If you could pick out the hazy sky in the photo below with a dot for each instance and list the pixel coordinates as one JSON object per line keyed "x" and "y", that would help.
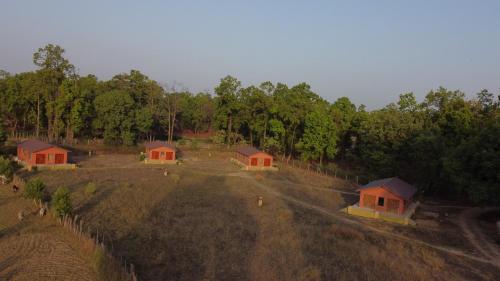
{"x": 370, "y": 51}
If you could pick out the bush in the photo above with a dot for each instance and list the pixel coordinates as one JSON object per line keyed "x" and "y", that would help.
{"x": 219, "y": 137}
{"x": 34, "y": 190}
{"x": 90, "y": 188}
{"x": 6, "y": 168}
{"x": 61, "y": 202}
{"x": 142, "y": 157}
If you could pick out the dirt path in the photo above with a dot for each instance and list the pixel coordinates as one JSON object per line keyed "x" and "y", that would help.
{"x": 468, "y": 222}
{"x": 341, "y": 217}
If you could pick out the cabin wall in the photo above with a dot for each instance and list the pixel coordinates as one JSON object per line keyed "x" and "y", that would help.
{"x": 376, "y": 193}
{"x": 256, "y": 160}
{"x": 49, "y": 155}
{"x": 159, "y": 151}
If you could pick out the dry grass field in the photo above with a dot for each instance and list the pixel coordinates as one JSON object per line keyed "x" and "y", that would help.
{"x": 38, "y": 248}
{"x": 202, "y": 222}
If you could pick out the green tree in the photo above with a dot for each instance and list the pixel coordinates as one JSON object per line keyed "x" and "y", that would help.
{"x": 34, "y": 190}
{"x": 255, "y": 112}
{"x": 228, "y": 105}
{"x": 61, "y": 202}
{"x": 319, "y": 138}
{"x": 115, "y": 117}
{"x": 74, "y": 105}
{"x": 53, "y": 69}
{"x": 6, "y": 168}
{"x": 3, "y": 134}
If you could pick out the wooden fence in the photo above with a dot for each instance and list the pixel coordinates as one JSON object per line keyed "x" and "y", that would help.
{"x": 22, "y": 136}
{"x": 120, "y": 267}
{"x": 316, "y": 169}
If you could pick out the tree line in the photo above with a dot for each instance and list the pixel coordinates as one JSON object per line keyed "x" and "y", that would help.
{"x": 446, "y": 144}
{"x": 56, "y": 102}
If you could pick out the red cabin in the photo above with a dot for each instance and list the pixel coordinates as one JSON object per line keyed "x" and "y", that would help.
{"x": 387, "y": 195}
{"x": 36, "y": 153}
{"x": 160, "y": 152}
{"x": 252, "y": 158}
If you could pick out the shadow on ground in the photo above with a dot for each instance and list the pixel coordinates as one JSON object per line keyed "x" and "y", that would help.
{"x": 194, "y": 233}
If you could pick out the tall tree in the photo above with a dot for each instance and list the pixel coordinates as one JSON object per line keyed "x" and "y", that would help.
{"x": 115, "y": 117}
{"x": 319, "y": 138}
{"x": 172, "y": 107}
{"x": 53, "y": 69}
{"x": 228, "y": 104}
{"x": 74, "y": 105}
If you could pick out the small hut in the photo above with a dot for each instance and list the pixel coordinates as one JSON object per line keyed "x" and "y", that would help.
{"x": 253, "y": 159}
{"x": 39, "y": 153}
{"x": 160, "y": 152}
{"x": 391, "y": 195}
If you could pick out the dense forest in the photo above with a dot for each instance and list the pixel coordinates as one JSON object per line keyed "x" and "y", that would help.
{"x": 447, "y": 145}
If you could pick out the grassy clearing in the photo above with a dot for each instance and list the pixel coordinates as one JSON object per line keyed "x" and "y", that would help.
{"x": 204, "y": 223}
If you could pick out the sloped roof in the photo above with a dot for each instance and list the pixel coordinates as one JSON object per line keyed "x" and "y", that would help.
{"x": 393, "y": 185}
{"x": 157, "y": 144}
{"x": 36, "y": 145}
{"x": 249, "y": 151}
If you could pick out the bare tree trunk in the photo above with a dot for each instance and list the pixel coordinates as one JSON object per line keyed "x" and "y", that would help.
{"x": 172, "y": 127}
{"x": 263, "y": 141}
{"x": 229, "y": 130}
{"x": 38, "y": 116}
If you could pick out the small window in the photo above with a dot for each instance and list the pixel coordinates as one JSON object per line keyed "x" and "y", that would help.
{"x": 381, "y": 201}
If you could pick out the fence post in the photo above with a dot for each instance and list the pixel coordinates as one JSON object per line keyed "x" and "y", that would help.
{"x": 357, "y": 182}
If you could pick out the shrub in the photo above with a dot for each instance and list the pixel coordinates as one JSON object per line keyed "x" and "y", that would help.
{"x": 6, "y": 168}
{"x": 219, "y": 137}
{"x": 142, "y": 157}
{"x": 90, "y": 188}
{"x": 34, "y": 190}
{"x": 61, "y": 202}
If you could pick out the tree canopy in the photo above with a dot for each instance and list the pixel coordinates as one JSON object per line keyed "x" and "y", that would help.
{"x": 446, "y": 144}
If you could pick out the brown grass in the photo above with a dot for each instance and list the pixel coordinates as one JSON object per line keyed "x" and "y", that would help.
{"x": 206, "y": 225}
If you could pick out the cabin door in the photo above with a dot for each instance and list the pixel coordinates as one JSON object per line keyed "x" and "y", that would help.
{"x": 169, "y": 155}
{"x": 155, "y": 155}
{"x": 253, "y": 161}
{"x": 59, "y": 158}
{"x": 393, "y": 205}
{"x": 40, "y": 159}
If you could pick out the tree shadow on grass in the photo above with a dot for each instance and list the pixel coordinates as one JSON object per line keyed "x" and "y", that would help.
{"x": 93, "y": 201}
{"x": 197, "y": 232}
